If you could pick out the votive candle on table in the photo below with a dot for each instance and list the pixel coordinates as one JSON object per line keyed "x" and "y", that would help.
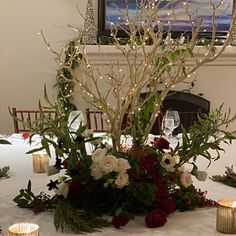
{"x": 40, "y": 162}
{"x": 23, "y": 229}
{"x": 226, "y": 216}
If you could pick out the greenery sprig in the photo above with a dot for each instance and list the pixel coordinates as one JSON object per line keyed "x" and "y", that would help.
{"x": 4, "y": 172}
{"x": 66, "y": 217}
{"x": 39, "y": 203}
{"x": 65, "y": 81}
{"x": 3, "y": 141}
{"x": 206, "y": 136}
{"x": 229, "y": 178}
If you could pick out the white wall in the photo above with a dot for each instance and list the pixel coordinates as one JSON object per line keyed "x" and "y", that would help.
{"x": 26, "y": 64}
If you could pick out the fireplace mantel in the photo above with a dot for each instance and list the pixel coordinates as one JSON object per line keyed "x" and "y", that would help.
{"x": 99, "y": 55}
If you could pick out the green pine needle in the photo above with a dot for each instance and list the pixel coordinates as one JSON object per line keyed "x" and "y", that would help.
{"x": 228, "y": 179}
{"x": 4, "y": 172}
{"x": 66, "y": 217}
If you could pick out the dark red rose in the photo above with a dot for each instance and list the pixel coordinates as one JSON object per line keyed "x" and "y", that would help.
{"x": 167, "y": 205}
{"x": 74, "y": 189}
{"x": 155, "y": 218}
{"x": 120, "y": 221}
{"x": 160, "y": 143}
{"x": 148, "y": 163}
{"x": 171, "y": 178}
{"x": 25, "y": 135}
{"x": 162, "y": 191}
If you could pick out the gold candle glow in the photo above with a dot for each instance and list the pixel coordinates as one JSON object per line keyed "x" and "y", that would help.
{"x": 23, "y": 229}
{"x": 226, "y": 216}
{"x": 40, "y": 162}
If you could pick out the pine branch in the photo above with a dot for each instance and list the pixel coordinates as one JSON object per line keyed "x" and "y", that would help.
{"x": 66, "y": 217}
{"x": 228, "y": 179}
{"x": 4, "y": 172}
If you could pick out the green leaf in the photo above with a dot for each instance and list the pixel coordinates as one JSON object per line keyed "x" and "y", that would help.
{"x": 2, "y": 141}
{"x": 35, "y": 150}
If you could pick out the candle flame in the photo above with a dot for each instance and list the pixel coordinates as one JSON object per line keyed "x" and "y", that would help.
{"x": 234, "y": 204}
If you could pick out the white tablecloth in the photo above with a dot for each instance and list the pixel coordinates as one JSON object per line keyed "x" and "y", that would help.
{"x": 198, "y": 222}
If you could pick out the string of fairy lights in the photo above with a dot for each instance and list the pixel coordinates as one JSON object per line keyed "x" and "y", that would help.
{"x": 65, "y": 83}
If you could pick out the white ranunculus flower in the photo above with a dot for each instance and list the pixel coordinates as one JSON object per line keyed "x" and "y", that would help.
{"x": 87, "y": 133}
{"x": 122, "y": 180}
{"x": 63, "y": 189}
{"x": 181, "y": 169}
{"x": 122, "y": 165}
{"x": 108, "y": 163}
{"x": 168, "y": 162}
{"x": 201, "y": 175}
{"x": 98, "y": 154}
{"x": 52, "y": 170}
{"x": 186, "y": 179}
{"x": 96, "y": 172}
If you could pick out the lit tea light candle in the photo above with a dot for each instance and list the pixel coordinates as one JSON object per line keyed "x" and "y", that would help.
{"x": 23, "y": 229}
{"x": 40, "y": 162}
{"x": 226, "y": 216}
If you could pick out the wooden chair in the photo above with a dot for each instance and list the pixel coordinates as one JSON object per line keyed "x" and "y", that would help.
{"x": 20, "y": 117}
{"x": 95, "y": 121}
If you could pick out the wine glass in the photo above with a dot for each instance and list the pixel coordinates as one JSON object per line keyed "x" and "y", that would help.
{"x": 167, "y": 127}
{"x": 171, "y": 121}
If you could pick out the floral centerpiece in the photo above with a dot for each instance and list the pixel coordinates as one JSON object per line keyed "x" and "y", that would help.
{"x": 151, "y": 179}
{"x": 148, "y": 178}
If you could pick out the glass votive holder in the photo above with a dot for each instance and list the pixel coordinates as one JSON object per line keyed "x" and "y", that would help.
{"x": 226, "y": 216}
{"x": 40, "y": 162}
{"x": 23, "y": 229}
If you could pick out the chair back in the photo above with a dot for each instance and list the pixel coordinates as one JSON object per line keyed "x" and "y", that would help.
{"x": 23, "y": 117}
{"x": 95, "y": 120}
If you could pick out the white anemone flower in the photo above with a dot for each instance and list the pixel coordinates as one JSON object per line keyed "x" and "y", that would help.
{"x": 168, "y": 162}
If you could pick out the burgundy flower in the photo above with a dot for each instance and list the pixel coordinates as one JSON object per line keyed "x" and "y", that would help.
{"x": 74, "y": 189}
{"x": 25, "y": 135}
{"x": 162, "y": 191}
{"x": 160, "y": 143}
{"x": 148, "y": 163}
{"x": 167, "y": 205}
{"x": 155, "y": 218}
{"x": 171, "y": 178}
{"x": 119, "y": 221}
{"x": 65, "y": 163}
